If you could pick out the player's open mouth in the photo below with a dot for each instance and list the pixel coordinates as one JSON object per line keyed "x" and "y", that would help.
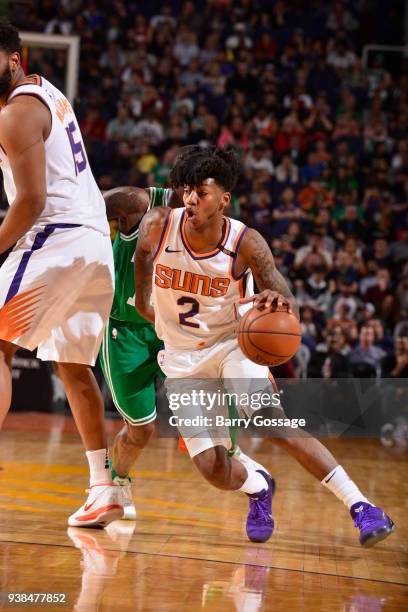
{"x": 190, "y": 213}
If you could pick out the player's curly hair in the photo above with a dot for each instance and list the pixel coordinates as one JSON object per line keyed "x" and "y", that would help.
{"x": 195, "y": 164}
{"x": 9, "y": 38}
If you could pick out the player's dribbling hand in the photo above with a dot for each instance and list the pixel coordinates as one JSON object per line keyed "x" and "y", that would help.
{"x": 266, "y": 299}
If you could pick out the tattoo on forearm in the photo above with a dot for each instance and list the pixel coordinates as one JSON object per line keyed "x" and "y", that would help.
{"x": 262, "y": 264}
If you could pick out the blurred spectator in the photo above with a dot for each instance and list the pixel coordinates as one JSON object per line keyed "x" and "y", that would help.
{"x": 343, "y": 317}
{"x": 381, "y": 294}
{"x": 313, "y": 169}
{"x": 380, "y": 338}
{"x": 330, "y": 360}
{"x": 122, "y": 126}
{"x": 316, "y": 245}
{"x": 92, "y": 125}
{"x": 150, "y": 128}
{"x": 336, "y": 363}
{"x": 396, "y": 365}
{"x": 314, "y": 290}
{"x": 339, "y": 18}
{"x": 287, "y": 172}
{"x": 165, "y": 17}
{"x": 258, "y": 159}
{"x": 186, "y": 47}
{"x": 366, "y": 352}
{"x": 287, "y": 211}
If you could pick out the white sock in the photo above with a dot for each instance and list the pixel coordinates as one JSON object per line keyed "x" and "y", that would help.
{"x": 255, "y": 482}
{"x": 340, "y": 483}
{"x": 99, "y": 467}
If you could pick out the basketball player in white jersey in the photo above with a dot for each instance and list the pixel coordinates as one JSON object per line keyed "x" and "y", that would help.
{"x": 198, "y": 265}
{"x": 56, "y": 286}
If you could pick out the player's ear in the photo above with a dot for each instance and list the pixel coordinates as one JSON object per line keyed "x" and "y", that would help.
{"x": 225, "y": 199}
{"x": 14, "y": 60}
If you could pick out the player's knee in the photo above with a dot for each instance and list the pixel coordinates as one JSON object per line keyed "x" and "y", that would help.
{"x": 139, "y": 435}
{"x": 7, "y": 352}
{"x": 215, "y": 465}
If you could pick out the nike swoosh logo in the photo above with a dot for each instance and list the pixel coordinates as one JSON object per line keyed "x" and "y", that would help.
{"x": 86, "y": 508}
{"x": 172, "y": 250}
{"x": 329, "y": 479}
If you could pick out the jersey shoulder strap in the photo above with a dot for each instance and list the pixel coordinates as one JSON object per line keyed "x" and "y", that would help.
{"x": 31, "y": 86}
{"x": 236, "y": 233}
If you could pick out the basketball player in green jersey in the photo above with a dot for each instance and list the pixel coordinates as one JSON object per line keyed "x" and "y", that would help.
{"x": 130, "y": 346}
{"x": 129, "y": 349}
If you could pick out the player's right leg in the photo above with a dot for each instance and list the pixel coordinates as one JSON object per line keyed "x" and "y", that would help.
{"x": 129, "y": 365}
{"x": 7, "y": 351}
{"x": 373, "y": 523}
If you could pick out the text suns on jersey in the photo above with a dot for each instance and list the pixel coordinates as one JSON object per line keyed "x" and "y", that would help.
{"x": 190, "y": 282}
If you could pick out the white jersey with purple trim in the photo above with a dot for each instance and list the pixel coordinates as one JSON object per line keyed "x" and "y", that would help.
{"x": 195, "y": 295}
{"x": 72, "y": 193}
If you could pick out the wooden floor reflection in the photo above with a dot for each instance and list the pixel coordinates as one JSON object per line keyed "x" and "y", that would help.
{"x": 188, "y": 549}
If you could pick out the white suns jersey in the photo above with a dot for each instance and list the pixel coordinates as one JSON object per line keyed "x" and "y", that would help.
{"x": 195, "y": 295}
{"x": 72, "y": 193}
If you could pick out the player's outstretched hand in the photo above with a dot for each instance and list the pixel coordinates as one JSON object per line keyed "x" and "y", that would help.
{"x": 267, "y": 298}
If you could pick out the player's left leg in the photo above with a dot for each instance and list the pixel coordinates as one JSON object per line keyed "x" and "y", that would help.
{"x": 128, "y": 445}
{"x": 208, "y": 441}
{"x": 128, "y": 359}
{"x": 210, "y": 456}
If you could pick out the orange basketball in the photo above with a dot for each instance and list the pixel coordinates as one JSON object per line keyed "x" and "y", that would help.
{"x": 269, "y": 336}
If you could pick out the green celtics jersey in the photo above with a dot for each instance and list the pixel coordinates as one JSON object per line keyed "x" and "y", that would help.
{"x": 124, "y": 248}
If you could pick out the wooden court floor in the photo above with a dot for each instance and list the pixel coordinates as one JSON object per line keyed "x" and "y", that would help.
{"x": 188, "y": 550}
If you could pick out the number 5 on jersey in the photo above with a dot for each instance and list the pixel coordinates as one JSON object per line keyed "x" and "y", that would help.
{"x": 77, "y": 149}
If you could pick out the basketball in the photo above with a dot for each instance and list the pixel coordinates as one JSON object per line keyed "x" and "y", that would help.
{"x": 269, "y": 336}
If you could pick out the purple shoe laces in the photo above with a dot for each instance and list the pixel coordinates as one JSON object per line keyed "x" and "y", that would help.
{"x": 368, "y": 515}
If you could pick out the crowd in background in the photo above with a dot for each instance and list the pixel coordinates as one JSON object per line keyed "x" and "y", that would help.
{"x": 323, "y": 141}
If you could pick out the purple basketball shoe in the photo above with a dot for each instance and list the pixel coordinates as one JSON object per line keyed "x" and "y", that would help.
{"x": 259, "y": 524}
{"x": 373, "y": 523}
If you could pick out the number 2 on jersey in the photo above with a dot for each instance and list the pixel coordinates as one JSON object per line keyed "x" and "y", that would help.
{"x": 190, "y": 313}
{"x": 77, "y": 149}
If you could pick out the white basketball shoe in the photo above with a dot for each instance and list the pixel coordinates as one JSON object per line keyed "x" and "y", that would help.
{"x": 104, "y": 505}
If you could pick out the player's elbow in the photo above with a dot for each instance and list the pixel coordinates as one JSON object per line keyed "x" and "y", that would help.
{"x": 38, "y": 204}
{"x": 32, "y": 203}
{"x": 29, "y": 207}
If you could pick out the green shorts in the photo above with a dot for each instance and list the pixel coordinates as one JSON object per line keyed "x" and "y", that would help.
{"x": 128, "y": 358}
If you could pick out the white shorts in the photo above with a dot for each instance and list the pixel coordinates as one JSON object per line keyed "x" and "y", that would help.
{"x": 203, "y": 369}
{"x": 56, "y": 292}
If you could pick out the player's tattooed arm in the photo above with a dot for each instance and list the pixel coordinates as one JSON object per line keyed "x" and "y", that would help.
{"x": 255, "y": 254}
{"x": 150, "y": 231}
